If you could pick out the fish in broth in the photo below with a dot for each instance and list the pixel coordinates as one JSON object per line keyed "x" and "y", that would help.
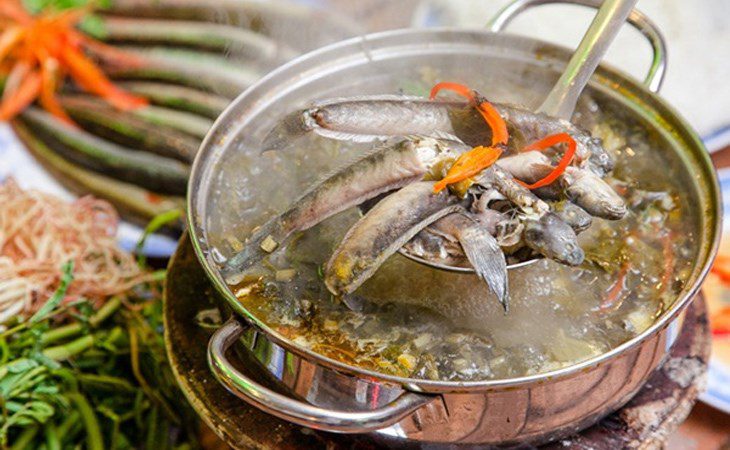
{"x": 416, "y": 158}
{"x": 413, "y": 321}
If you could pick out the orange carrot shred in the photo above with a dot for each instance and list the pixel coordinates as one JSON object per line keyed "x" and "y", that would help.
{"x": 9, "y": 39}
{"x": 468, "y": 165}
{"x": 48, "y": 98}
{"x": 47, "y": 47}
{"x": 91, "y": 78}
{"x": 22, "y": 97}
{"x": 14, "y": 10}
{"x": 565, "y": 161}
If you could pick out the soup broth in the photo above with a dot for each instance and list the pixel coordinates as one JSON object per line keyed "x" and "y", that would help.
{"x": 414, "y": 321}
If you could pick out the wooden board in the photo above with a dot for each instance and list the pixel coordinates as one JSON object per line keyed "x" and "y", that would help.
{"x": 645, "y": 422}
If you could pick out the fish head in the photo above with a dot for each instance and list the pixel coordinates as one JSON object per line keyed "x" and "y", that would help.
{"x": 599, "y": 155}
{"x": 436, "y": 155}
{"x": 592, "y": 150}
{"x": 339, "y": 276}
{"x": 553, "y": 238}
{"x": 596, "y": 196}
{"x": 575, "y": 216}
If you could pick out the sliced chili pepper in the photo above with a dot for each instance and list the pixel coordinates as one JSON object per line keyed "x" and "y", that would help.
{"x": 28, "y": 91}
{"x": 500, "y": 135}
{"x": 564, "y": 162}
{"x": 479, "y": 158}
{"x": 468, "y": 165}
{"x": 460, "y": 89}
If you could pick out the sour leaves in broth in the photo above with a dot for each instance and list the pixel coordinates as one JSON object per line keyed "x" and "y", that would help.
{"x": 413, "y": 321}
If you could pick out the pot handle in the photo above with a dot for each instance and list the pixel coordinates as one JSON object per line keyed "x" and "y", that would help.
{"x": 637, "y": 19}
{"x": 293, "y": 410}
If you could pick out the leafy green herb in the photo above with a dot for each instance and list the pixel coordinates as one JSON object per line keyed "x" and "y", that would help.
{"x": 98, "y": 379}
{"x": 67, "y": 277}
{"x": 94, "y": 26}
{"x": 157, "y": 222}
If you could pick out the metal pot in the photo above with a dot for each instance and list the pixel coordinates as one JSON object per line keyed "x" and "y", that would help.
{"x": 325, "y": 394}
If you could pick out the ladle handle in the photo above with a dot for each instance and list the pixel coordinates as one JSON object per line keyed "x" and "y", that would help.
{"x": 296, "y": 411}
{"x": 653, "y": 80}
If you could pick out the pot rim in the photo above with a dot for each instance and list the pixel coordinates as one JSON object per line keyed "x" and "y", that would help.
{"x": 216, "y": 140}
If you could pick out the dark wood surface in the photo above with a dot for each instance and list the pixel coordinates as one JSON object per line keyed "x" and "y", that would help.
{"x": 721, "y": 158}
{"x": 645, "y": 422}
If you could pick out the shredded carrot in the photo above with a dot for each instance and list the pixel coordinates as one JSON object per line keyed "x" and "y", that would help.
{"x": 91, "y": 78}
{"x": 565, "y": 161}
{"x": 51, "y": 48}
{"x": 12, "y": 9}
{"x": 28, "y": 90}
{"x": 9, "y": 39}
{"x": 105, "y": 52}
{"x": 48, "y": 99}
{"x": 468, "y": 165}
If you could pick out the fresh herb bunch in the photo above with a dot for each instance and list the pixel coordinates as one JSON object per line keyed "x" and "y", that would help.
{"x": 73, "y": 376}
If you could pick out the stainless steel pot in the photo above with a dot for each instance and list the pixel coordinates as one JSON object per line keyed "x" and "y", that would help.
{"x": 325, "y": 394}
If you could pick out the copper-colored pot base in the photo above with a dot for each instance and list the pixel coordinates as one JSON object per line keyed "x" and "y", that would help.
{"x": 648, "y": 418}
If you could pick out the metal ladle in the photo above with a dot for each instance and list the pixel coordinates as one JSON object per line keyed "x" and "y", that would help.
{"x": 563, "y": 97}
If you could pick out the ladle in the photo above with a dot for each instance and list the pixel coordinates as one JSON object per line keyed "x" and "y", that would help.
{"x": 563, "y": 97}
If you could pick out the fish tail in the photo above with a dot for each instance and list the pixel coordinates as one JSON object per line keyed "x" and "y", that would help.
{"x": 291, "y": 127}
{"x": 264, "y": 241}
{"x": 487, "y": 259}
